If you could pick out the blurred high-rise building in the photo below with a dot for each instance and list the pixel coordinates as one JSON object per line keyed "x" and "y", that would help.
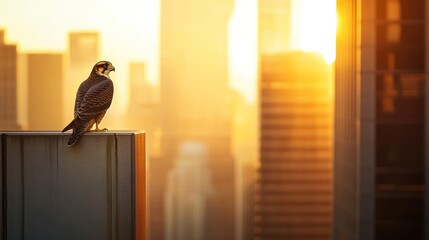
{"x": 43, "y": 73}
{"x": 83, "y": 53}
{"x": 245, "y": 151}
{"x": 293, "y": 188}
{"x": 189, "y": 187}
{"x": 140, "y": 89}
{"x": 293, "y": 193}
{"x": 143, "y": 107}
{"x": 195, "y": 106}
{"x": 83, "y": 49}
{"x": 381, "y": 158}
{"x": 275, "y": 25}
{"x": 8, "y": 85}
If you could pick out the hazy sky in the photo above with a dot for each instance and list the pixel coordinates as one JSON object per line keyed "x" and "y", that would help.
{"x": 129, "y": 31}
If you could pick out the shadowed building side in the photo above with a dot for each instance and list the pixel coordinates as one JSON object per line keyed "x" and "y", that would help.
{"x": 381, "y": 137}
{"x": 8, "y": 85}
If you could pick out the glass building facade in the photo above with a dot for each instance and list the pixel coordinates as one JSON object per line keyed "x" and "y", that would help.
{"x": 400, "y": 118}
{"x": 380, "y": 159}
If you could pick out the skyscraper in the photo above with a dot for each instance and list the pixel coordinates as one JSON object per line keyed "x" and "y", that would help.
{"x": 141, "y": 91}
{"x": 188, "y": 188}
{"x": 8, "y": 85}
{"x": 83, "y": 53}
{"x": 83, "y": 49}
{"x": 44, "y": 76}
{"x": 245, "y": 149}
{"x": 293, "y": 196}
{"x": 143, "y": 107}
{"x": 195, "y": 106}
{"x": 275, "y": 25}
{"x": 381, "y": 133}
{"x": 293, "y": 190}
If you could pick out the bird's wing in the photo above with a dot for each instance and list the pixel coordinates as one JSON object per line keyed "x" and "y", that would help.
{"x": 82, "y": 90}
{"x": 96, "y": 100}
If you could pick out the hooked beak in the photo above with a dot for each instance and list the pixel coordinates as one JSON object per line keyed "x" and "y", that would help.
{"x": 112, "y": 68}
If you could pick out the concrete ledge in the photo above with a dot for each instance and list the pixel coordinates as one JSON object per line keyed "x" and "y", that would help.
{"x": 92, "y": 190}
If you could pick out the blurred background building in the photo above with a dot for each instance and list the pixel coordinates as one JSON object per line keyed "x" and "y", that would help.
{"x": 245, "y": 151}
{"x": 8, "y": 85}
{"x": 43, "y": 74}
{"x": 381, "y": 137}
{"x": 195, "y": 106}
{"x": 187, "y": 74}
{"x": 83, "y": 53}
{"x": 275, "y": 25}
{"x": 293, "y": 188}
{"x": 143, "y": 109}
{"x": 293, "y": 197}
{"x": 188, "y": 189}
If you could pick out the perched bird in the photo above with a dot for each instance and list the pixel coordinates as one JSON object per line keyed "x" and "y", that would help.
{"x": 93, "y": 98}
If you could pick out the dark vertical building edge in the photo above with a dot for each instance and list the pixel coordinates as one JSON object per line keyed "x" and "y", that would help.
{"x": 133, "y": 190}
{"x": 4, "y": 187}
{"x": 426, "y": 143}
{"x": 116, "y": 186}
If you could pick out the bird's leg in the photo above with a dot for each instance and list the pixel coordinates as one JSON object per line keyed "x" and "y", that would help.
{"x": 100, "y": 130}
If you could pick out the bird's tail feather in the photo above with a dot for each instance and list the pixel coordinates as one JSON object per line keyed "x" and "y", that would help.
{"x": 77, "y": 132}
{"x": 71, "y": 125}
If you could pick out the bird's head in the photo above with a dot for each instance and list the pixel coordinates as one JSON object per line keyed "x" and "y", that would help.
{"x": 104, "y": 68}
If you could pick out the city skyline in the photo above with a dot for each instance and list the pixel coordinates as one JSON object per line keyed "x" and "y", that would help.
{"x": 265, "y": 119}
{"x": 143, "y": 44}
{"x": 215, "y": 157}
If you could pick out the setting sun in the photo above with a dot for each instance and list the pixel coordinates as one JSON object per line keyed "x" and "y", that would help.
{"x": 314, "y": 27}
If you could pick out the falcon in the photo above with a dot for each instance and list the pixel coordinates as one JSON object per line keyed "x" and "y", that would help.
{"x": 93, "y": 98}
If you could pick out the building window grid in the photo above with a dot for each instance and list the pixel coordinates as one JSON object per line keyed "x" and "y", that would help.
{"x": 394, "y": 184}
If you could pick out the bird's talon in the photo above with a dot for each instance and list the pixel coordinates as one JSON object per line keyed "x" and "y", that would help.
{"x": 105, "y": 130}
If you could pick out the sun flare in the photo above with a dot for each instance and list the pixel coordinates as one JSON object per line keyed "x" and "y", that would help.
{"x": 314, "y": 25}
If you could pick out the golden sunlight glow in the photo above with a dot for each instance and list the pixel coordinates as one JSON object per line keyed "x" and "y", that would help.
{"x": 128, "y": 30}
{"x": 314, "y": 26}
{"x": 242, "y": 48}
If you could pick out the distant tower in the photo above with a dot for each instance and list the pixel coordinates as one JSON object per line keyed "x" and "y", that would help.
{"x": 83, "y": 53}
{"x": 294, "y": 185}
{"x": 2, "y": 37}
{"x": 8, "y": 85}
{"x": 245, "y": 141}
{"x": 195, "y": 106}
{"x": 44, "y": 76}
{"x": 275, "y": 25}
{"x": 381, "y": 188}
{"x": 143, "y": 107}
{"x": 83, "y": 50}
{"x": 140, "y": 90}
{"x": 293, "y": 191}
{"x": 188, "y": 188}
